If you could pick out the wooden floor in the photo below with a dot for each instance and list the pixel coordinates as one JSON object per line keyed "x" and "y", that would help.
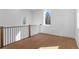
{"x": 44, "y": 41}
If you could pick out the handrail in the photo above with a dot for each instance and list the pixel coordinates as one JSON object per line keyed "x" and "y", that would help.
{"x": 18, "y": 26}
{"x": 15, "y": 26}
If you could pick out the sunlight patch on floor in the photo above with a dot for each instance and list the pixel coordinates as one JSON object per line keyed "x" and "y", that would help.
{"x": 18, "y": 36}
{"x": 51, "y": 47}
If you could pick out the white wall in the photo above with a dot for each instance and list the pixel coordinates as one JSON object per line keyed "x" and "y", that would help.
{"x": 14, "y": 17}
{"x": 77, "y": 29}
{"x": 37, "y": 16}
{"x": 37, "y": 19}
{"x": 63, "y": 22}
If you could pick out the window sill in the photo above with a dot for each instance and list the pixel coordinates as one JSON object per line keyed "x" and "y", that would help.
{"x": 47, "y": 25}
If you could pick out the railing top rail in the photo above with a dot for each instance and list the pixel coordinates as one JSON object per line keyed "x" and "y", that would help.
{"x": 17, "y": 26}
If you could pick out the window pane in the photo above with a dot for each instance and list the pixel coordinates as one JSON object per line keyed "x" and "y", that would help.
{"x": 47, "y": 16}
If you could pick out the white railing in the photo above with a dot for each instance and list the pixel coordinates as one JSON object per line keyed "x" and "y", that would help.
{"x": 15, "y": 33}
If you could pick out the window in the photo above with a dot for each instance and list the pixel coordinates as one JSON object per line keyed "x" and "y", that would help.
{"x": 47, "y": 17}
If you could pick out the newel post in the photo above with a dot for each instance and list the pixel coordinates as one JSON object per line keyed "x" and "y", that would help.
{"x": 29, "y": 30}
{"x": 1, "y": 36}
